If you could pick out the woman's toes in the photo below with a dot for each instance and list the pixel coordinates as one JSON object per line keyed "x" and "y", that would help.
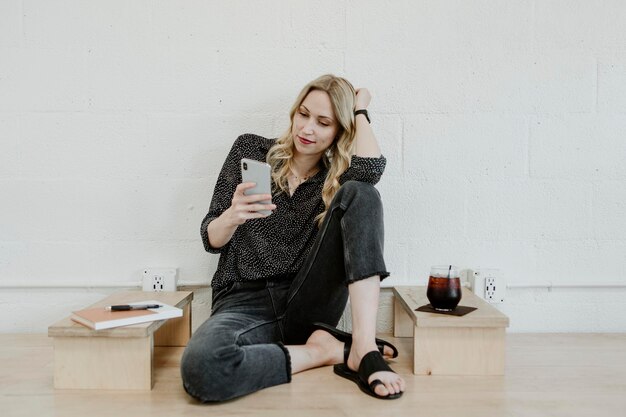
{"x": 391, "y": 383}
{"x": 396, "y": 387}
{"x": 382, "y": 390}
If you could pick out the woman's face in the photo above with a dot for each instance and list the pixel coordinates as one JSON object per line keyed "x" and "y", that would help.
{"x": 314, "y": 124}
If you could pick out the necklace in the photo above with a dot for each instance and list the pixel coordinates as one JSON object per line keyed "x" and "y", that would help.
{"x": 297, "y": 180}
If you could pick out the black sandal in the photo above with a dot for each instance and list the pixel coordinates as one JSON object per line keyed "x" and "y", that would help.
{"x": 372, "y": 362}
{"x": 346, "y": 338}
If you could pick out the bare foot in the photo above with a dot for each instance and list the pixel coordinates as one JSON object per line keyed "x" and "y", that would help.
{"x": 324, "y": 339}
{"x": 329, "y": 349}
{"x": 392, "y": 382}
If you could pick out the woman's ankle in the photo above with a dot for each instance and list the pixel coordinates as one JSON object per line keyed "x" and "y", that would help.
{"x": 358, "y": 351}
{"x": 324, "y": 348}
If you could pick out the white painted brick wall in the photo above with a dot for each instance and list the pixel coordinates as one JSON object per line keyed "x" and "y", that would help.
{"x": 10, "y": 23}
{"x": 503, "y": 123}
{"x": 612, "y": 83}
{"x": 579, "y": 147}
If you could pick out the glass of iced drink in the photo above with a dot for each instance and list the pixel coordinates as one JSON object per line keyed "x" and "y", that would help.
{"x": 444, "y": 287}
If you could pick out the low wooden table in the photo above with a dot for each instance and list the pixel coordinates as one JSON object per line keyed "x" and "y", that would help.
{"x": 121, "y": 357}
{"x": 451, "y": 345}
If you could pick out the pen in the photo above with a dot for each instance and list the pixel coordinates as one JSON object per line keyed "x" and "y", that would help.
{"x": 126, "y": 307}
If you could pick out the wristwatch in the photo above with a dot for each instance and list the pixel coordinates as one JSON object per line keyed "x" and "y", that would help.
{"x": 363, "y": 112}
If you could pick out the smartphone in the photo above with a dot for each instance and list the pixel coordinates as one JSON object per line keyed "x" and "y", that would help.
{"x": 259, "y": 173}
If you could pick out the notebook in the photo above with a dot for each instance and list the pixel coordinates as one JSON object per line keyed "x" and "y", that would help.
{"x": 99, "y": 318}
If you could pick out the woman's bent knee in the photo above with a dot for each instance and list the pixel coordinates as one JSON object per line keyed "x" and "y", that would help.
{"x": 358, "y": 186}
{"x": 360, "y": 190}
{"x": 206, "y": 373}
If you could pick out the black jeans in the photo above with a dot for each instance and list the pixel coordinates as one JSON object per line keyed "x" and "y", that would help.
{"x": 241, "y": 347}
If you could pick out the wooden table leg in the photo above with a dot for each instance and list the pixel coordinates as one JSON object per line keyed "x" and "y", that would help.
{"x": 103, "y": 363}
{"x": 175, "y": 332}
{"x": 458, "y": 351}
{"x": 402, "y": 324}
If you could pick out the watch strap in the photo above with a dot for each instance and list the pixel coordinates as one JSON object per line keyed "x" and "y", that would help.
{"x": 363, "y": 112}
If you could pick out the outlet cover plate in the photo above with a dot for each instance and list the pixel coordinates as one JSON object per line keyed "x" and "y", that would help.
{"x": 160, "y": 279}
{"x": 495, "y": 286}
{"x": 489, "y": 284}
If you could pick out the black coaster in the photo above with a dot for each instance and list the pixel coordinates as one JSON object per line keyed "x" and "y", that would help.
{"x": 458, "y": 311}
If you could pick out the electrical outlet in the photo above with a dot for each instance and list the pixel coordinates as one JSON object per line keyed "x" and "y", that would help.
{"x": 490, "y": 288}
{"x": 494, "y": 286}
{"x": 159, "y": 279}
{"x": 488, "y": 284}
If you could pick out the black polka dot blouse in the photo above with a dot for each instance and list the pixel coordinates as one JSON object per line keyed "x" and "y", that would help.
{"x": 275, "y": 246}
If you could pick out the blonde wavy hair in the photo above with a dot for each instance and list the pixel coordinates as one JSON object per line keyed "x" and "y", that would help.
{"x": 337, "y": 157}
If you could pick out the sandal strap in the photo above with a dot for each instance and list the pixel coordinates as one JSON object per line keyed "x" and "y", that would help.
{"x": 374, "y": 384}
{"x": 348, "y": 345}
{"x": 346, "y": 351}
{"x": 346, "y": 338}
{"x": 372, "y": 362}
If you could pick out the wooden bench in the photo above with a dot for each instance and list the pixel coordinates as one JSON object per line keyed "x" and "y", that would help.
{"x": 451, "y": 345}
{"x": 118, "y": 358}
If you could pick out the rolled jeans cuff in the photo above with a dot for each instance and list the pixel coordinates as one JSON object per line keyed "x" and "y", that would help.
{"x": 287, "y": 360}
{"x": 381, "y": 274}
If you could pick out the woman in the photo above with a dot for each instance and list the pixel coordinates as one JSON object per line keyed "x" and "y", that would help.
{"x": 283, "y": 279}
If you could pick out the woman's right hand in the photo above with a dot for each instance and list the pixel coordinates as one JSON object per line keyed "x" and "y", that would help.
{"x": 245, "y": 207}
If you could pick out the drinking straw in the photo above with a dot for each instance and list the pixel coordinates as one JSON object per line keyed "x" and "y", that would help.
{"x": 449, "y": 268}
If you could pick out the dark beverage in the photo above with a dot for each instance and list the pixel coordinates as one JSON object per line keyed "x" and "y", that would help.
{"x": 444, "y": 293}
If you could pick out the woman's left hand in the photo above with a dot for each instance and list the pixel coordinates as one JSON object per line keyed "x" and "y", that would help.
{"x": 363, "y": 98}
